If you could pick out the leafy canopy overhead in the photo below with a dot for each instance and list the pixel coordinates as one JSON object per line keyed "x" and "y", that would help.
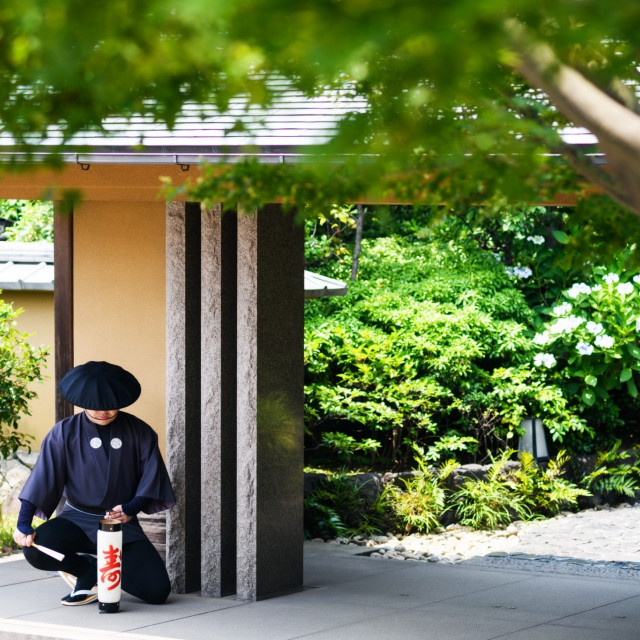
{"x": 457, "y": 90}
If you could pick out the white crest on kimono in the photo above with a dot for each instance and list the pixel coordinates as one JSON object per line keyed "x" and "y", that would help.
{"x": 96, "y": 443}
{"x": 116, "y": 443}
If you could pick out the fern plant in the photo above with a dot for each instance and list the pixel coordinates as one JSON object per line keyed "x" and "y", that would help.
{"x": 491, "y": 503}
{"x": 419, "y": 505}
{"x": 340, "y": 506}
{"x": 616, "y": 471}
{"x": 321, "y": 520}
{"x": 545, "y": 491}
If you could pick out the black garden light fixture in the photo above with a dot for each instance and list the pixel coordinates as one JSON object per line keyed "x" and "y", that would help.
{"x": 533, "y": 439}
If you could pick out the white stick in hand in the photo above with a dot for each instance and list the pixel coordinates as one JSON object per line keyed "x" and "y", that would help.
{"x": 50, "y": 552}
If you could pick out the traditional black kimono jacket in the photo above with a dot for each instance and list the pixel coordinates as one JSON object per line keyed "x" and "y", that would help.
{"x": 74, "y": 464}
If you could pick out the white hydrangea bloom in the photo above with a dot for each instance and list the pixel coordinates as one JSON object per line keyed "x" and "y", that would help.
{"x": 637, "y": 324}
{"x": 594, "y": 328}
{"x": 596, "y": 287}
{"x": 519, "y": 272}
{"x": 579, "y": 288}
{"x": 611, "y": 278}
{"x": 566, "y": 325}
{"x": 624, "y": 288}
{"x": 546, "y": 359}
{"x": 584, "y": 348}
{"x": 604, "y": 341}
{"x": 636, "y": 279}
{"x": 536, "y": 239}
{"x": 542, "y": 338}
{"x": 562, "y": 309}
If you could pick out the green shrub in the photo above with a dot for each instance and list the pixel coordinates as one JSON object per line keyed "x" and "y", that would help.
{"x": 419, "y": 349}
{"x": 20, "y": 364}
{"x": 545, "y": 491}
{"x": 346, "y": 447}
{"x": 588, "y": 347}
{"x": 615, "y": 471}
{"x": 419, "y": 504}
{"x": 490, "y": 503}
{"x": 33, "y": 220}
{"x": 523, "y": 493}
{"x": 341, "y": 506}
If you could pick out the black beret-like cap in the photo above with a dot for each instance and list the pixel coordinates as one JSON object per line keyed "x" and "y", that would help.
{"x": 99, "y": 386}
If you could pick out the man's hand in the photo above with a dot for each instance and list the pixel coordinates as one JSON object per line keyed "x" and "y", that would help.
{"x": 118, "y": 515}
{"x": 22, "y": 539}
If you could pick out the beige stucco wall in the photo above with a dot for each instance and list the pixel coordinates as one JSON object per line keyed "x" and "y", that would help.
{"x": 119, "y": 270}
{"x": 119, "y": 295}
{"x": 37, "y": 319}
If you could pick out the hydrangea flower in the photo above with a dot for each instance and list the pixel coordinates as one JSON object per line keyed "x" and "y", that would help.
{"x": 566, "y": 325}
{"x": 519, "y": 272}
{"x": 584, "y": 348}
{"x": 578, "y": 288}
{"x": 546, "y": 359}
{"x": 536, "y": 239}
{"x": 611, "y": 278}
{"x": 636, "y": 279}
{"x": 542, "y": 338}
{"x": 596, "y": 287}
{"x": 562, "y": 309}
{"x": 637, "y": 324}
{"x": 624, "y": 288}
{"x": 594, "y": 328}
{"x": 604, "y": 341}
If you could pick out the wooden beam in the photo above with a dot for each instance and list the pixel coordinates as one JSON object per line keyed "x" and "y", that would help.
{"x": 63, "y": 299}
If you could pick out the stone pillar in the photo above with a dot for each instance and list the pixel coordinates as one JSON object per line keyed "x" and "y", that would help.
{"x": 218, "y": 402}
{"x": 270, "y": 403}
{"x": 183, "y": 392}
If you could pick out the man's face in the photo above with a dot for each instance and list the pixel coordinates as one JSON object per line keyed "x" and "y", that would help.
{"x": 101, "y": 418}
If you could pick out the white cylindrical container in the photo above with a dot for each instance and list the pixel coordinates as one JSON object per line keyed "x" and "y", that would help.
{"x": 109, "y": 566}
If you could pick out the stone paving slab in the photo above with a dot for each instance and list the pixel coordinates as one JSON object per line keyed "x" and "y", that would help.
{"x": 351, "y": 597}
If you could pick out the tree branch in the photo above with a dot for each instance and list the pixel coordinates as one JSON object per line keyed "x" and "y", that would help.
{"x": 616, "y": 126}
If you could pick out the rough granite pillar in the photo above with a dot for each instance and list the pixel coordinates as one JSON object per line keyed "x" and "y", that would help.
{"x": 183, "y": 392}
{"x": 270, "y": 403}
{"x": 218, "y": 402}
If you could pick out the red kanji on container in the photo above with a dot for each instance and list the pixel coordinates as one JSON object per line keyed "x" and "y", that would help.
{"x": 110, "y": 567}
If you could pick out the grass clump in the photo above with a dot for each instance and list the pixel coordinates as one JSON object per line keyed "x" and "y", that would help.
{"x": 7, "y": 527}
{"x": 343, "y": 507}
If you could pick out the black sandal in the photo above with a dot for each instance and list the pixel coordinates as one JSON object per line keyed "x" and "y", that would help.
{"x": 80, "y": 597}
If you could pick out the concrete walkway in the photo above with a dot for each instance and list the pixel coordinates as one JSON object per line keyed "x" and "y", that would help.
{"x": 346, "y": 597}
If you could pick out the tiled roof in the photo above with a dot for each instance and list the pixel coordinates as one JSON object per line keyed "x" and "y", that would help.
{"x": 282, "y": 132}
{"x": 318, "y": 286}
{"x": 26, "y": 266}
{"x": 291, "y": 123}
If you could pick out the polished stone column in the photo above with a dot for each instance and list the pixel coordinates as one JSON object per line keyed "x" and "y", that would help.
{"x": 270, "y": 403}
{"x": 218, "y": 401}
{"x": 183, "y": 225}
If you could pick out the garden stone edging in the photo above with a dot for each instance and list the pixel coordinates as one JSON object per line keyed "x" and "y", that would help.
{"x": 373, "y": 483}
